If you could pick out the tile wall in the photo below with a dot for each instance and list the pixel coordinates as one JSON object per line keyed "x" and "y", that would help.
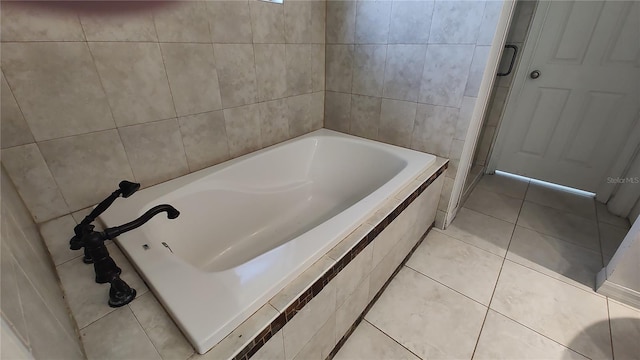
{"x": 408, "y": 72}
{"x": 149, "y": 91}
{"x": 33, "y": 307}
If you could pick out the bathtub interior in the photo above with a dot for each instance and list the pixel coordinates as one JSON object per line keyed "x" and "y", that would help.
{"x": 255, "y": 206}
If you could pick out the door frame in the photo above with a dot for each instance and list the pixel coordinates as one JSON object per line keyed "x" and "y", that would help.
{"x": 618, "y": 167}
{"x": 477, "y": 118}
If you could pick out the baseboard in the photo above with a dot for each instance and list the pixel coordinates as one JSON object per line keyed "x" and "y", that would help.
{"x": 615, "y": 291}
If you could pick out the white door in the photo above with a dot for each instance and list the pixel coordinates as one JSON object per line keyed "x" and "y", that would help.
{"x": 568, "y": 125}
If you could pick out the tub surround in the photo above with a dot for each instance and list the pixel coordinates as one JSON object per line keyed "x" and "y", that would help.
{"x": 271, "y": 213}
{"x": 151, "y": 333}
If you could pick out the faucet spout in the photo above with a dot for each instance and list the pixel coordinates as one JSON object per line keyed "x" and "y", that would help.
{"x": 113, "y": 232}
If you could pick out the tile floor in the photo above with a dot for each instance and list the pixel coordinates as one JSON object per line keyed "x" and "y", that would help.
{"x": 511, "y": 278}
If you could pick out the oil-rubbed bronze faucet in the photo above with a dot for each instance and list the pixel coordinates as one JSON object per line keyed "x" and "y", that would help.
{"x": 96, "y": 252}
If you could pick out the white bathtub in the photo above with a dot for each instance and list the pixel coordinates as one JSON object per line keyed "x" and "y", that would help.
{"x": 251, "y": 225}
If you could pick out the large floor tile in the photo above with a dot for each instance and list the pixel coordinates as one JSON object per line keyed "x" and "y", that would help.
{"x": 573, "y": 317}
{"x": 458, "y": 265}
{"x": 508, "y": 185}
{"x": 551, "y": 196}
{"x": 611, "y": 237}
{"x": 503, "y": 338}
{"x": 369, "y": 343}
{"x": 500, "y": 206}
{"x": 606, "y": 217}
{"x": 428, "y": 318}
{"x": 625, "y": 330}
{"x": 566, "y": 226}
{"x": 556, "y": 258}
{"x": 481, "y": 230}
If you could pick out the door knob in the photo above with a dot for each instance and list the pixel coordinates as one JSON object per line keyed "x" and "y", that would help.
{"x": 535, "y": 74}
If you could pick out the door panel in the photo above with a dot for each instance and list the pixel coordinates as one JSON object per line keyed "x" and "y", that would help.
{"x": 568, "y": 125}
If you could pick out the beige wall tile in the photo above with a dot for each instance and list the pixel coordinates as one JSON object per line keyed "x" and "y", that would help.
{"x": 118, "y": 336}
{"x": 404, "y": 62}
{"x": 307, "y": 322}
{"x": 163, "y": 333}
{"x": 184, "y": 21}
{"x": 135, "y": 80}
{"x": 316, "y": 110}
{"x": 25, "y": 21}
{"x": 372, "y": 22}
{"x": 230, "y": 21}
{"x": 271, "y": 71}
{"x": 205, "y": 139}
{"x": 294, "y": 289}
{"x": 192, "y": 77}
{"x": 368, "y": 69}
{"x": 456, "y": 22}
{"x": 445, "y": 74}
{"x": 341, "y": 22}
{"x": 318, "y": 21}
{"x": 274, "y": 122}
{"x": 352, "y": 307}
{"x": 317, "y": 67}
{"x": 28, "y": 170}
{"x": 9, "y": 294}
{"x": 56, "y": 234}
{"x": 434, "y": 129}
{"x": 119, "y": 26}
{"x": 300, "y": 114}
{"x": 464, "y": 117}
{"x": 236, "y": 74}
{"x": 365, "y": 116}
{"x": 396, "y": 122}
{"x": 155, "y": 151}
{"x": 39, "y": 72}
{"x": 87, "y": 167}
{"x": 478, "y": 64}
{"x": 489, "y": 23}
{"x": 15, "y": 130}
{"x": 351, "y": 277}
{"x": 243, "y": 129}
{"x": 410, "y": 22}
{"x": 321, "y": 343}
{"x": 299, "y": 67}
{"x": 47, "y": 338}
{"x": 238, "y": 337}
{"x": 267, "y": 22}
{"x": 272, "y": 350}
{"x": 297, "y": 21}
{"x": 339, "y": 67}
{"x": 337, "y": 109}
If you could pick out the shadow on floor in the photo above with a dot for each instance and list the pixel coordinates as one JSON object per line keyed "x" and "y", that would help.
{"x": 626, "y": 343}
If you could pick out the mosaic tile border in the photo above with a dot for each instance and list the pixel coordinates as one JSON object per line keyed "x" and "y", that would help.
{"x": 259, "y": 340}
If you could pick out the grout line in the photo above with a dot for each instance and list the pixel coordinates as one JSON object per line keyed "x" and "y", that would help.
{"x": 447, "y": 286}
{"x": 392, "y": 338}
{"x": 495, "y": 286}
{"x": 613, "y": 355}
